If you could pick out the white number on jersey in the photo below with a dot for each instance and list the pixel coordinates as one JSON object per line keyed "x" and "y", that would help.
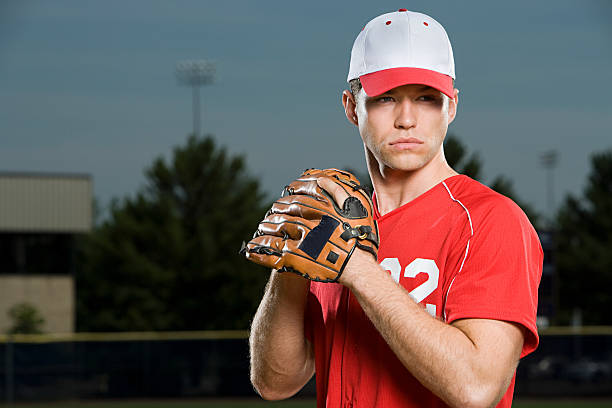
{"x": 415, "y": 267}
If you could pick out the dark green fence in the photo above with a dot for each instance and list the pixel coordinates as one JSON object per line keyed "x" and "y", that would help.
{"x": 570, "y": 362}
{"x": 205, "y": 364}
{"x": 124, "y": 365}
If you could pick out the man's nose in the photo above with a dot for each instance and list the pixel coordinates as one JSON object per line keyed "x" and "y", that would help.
{"x": 405, "y": 116}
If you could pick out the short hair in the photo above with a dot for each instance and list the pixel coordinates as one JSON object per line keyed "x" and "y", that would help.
{"x": 355, "y": 85}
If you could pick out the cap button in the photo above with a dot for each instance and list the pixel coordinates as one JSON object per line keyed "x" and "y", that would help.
{"x": 402, "y": 10}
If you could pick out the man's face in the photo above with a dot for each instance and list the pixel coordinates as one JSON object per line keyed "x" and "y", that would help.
{"x": 404, "y": 128}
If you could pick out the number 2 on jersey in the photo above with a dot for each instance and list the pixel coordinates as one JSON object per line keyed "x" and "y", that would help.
{"x": 427, "y": 266}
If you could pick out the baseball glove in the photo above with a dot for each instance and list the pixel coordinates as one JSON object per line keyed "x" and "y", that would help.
{"x": 307, "y": 233}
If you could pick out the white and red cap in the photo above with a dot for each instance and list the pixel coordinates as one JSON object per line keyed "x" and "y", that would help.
{"x": 399, "y": 48}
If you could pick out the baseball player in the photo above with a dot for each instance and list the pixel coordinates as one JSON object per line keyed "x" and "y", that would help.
{"x": 426, "y": 295}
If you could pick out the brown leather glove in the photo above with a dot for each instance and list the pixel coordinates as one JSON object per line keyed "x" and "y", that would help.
{"x": 305, "y": 231}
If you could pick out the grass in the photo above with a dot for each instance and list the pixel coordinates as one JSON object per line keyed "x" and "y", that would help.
{"x": 212, "y": 403}
{"x": 297, "y": 403}
{"x": 566, "y": 403}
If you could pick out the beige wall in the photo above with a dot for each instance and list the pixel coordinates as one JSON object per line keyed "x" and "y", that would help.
{"x": 45, "y": 203}
{"x": 52, "y": 295}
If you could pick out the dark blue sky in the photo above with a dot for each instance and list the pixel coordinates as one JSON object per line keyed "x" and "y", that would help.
{"x": 89, "y": 86}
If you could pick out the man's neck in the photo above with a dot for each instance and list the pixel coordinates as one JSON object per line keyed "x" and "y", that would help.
{"x": 395, "y": 188}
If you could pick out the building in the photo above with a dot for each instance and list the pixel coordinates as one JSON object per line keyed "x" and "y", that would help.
{"x": 41, "y": 217}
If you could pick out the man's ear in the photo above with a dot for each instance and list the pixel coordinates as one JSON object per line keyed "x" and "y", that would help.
{"x": 350, "y": 107}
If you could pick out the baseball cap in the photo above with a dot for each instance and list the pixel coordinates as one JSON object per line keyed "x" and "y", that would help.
{"x": 399, "y": 48}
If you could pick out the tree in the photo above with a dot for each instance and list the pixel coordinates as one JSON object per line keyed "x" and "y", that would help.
{"x": 167, "y": 259}
{"x": 456, "y": 156}
{"x": 584, "y": 240}
{"x": 26, "y": 319}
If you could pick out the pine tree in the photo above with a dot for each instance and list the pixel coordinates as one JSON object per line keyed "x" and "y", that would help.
{"x": 167, "y": 259}
{"x": 584, "y": 247}
{"x": 456, "y": 156}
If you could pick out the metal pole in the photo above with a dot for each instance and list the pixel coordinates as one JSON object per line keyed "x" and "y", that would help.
{"x": 196, "y": 110}
{"x": 196, "y": 73}
{"x": 9, "y": 371}
{"x": 551, "y": 190}
{"x": 549, "y": 160}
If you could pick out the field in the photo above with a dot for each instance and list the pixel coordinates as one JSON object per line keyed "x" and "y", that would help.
{"x": 236, "y": 403}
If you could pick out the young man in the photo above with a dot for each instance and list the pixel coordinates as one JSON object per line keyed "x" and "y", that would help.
{"x": 446, "y": 312}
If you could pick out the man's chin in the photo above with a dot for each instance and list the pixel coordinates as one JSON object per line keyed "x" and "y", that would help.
{"x": 404, "y": 165}
{"x": 405, "y": 168}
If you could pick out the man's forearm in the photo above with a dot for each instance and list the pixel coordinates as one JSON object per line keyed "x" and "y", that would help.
{"x": 442, "y": 357}
{"x": 281, "y": 359}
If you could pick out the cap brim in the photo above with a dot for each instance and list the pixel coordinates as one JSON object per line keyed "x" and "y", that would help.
{"x": 379, "y": 82}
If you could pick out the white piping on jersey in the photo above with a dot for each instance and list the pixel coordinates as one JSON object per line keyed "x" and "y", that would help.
{"x": 467, "y": 247}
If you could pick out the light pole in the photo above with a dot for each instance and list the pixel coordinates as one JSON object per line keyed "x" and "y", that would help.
{"x": 548, "y": 160}
{"x": 549, "y": 290}
{"x": 195, "y": 73}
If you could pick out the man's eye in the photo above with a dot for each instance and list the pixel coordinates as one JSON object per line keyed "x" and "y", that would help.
{"x": 384, "y": 99}
{"x": 427, "y": 98}
{"x": 430, "y": 98}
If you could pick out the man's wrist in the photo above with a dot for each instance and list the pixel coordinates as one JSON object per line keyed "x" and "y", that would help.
{"x": 360, "y": 266}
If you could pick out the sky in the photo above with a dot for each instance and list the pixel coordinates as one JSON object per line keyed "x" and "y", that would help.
{"x": 90, "y": 87}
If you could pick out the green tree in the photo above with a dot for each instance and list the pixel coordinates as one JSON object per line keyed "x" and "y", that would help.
{"x": 26, "y": 319}
{"x": 456, "y": 155}
{"x": 583, "y": 247}
{"x": 167, "y": 259}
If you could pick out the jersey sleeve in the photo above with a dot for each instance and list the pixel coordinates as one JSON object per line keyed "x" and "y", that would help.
{"x": 501, "y": 273}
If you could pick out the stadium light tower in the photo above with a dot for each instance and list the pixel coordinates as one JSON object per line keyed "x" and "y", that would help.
{"x": 195, "y": 73}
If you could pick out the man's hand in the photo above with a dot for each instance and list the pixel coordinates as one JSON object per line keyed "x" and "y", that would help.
{"x": 359, "y": 257}
{"x": 313, "y": 231}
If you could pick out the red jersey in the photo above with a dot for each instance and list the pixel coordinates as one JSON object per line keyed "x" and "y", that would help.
{"x": 462, "y": 251}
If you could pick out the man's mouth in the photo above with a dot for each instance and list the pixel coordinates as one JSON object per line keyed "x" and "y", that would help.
{"x": 406, "y": 143}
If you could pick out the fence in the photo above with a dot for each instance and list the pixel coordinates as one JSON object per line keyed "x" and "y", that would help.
{"x": 570, "y": 362}
{"x": 202, "y": 364}
{"x": 117, "y": 365}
